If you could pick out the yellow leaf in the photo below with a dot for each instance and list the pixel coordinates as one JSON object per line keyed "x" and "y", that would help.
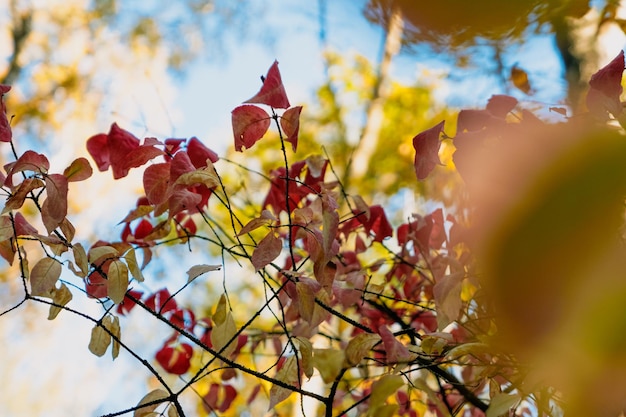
{"x": 205, "y": 176}
{"x": 133, "y": 266}
{"x": 99, "y": 341}
{"x": 381, "y": 390}
{"x": 360, "y": 346}
{"x": 519, "y": 78}
{"x": 112, "y": 323}
{"x": 172, "y": 412}
{"x": 80, "y": 257}
{"x": 154, "y": 395}
{"x": 220, "y": 312}
{"x": 501, "y": 404}
{"x": 329, "y": 362}
{"x": 306, "y": 353}
{"x": 224, "y": 329}
{"x": 60, "y": 296}
{"x": 287, "y": 374}
{"x": 197, "y": 270}
{"x": 99, "y": 252}
{"x": 44, "y": 276}
{"x": 117, "y": 281}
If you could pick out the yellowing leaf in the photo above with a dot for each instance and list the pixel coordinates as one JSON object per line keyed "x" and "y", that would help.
{"x": 306, "y": 353}
{"x": 44, "y": 276}
{"x": 99, "y": 252}
{"x": 287, "y": 374}
{"x": 117, "y": 281}
{"x": 197, "y": 270}
{"x": 60, "y": 296}
{"x": 99, "y": 341}
{"x": 224, "y": 329}
{"x": 80, "y": 257}
{"x": 447, "y": 293}
{"x": 381, "y": 390}
{"x": 205, "y": 176}
{"x": 68, "y": 229}
{"x": 112, "y": 323}
{"x": 268, "y": 249}
{"x": 171, "y": 411}
{"x": 133, "y": 266}
{"x": 329, "y": 363}
{"x": 154, "y": 395}
{"x": 501, "y": 404}
{"x": 360, "y": 346}
{"x": 78, "y": 170}
{"x": 6, "y": 228}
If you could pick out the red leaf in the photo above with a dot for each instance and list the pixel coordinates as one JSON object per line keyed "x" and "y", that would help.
{"x": 54, "y": 208}
{"x": 376, "y": 223}
{"x": 29, "y": 161}
{"x": 500, "y": 105}
{"x": 120, "y": 143}
{"x": 156, "y": 181}
{"x": 472, "y": 120}
{"x": 161, "y": 302}
{"x": 608, "y": 82}
{"x": 99, "y": 151}
{"x": 268, "y": 249}
{"x": 249, "y": 125}
{"x": 290, "y": 122}
{"x": 183, "y": 318}
{"x": 394, "y": 350}
{"x": 172, "y": 145}
{"x": 22, "y": 227}
{"x": 128, "y": 304}
{"x": 272, "y": 92}
{"x": 181, "y": 164}
{"x": 5, "y": 128}
{"x": 198, "y": 153}
{"x": 139, "y": 156}
{"x": 426, "y": 146}
{"x": 143, "y": 229}
{"x": 183, "y": 200}
{"x": 95, "y": 284}
{"x": 175, "y": 359}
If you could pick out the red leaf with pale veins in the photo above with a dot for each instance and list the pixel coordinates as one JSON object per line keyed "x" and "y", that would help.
{"x": 120, "y": 143}
{"x": 272, "y": 92}
{"x": 16, "y": 200}
{"x": 156, "y": 180}
{"x": 426, "y": 145}
{"x": 78, "y": 170}
{"x": 500, "y": 105}
{"x": 175, "y": 359}
{"x": 290, "y": 122}
{"x": 22, "y": 227}
{"x": 99, "y": 150}
{"x": 198, "y": 153}
{"x": 249, "y": 125}
{"x": 5, "y": 128}
{"x": 139, "y": 156}
{"x": 54, "y": 208}
{"x": 181, "y": 164}
{"x": 268, "y": 249}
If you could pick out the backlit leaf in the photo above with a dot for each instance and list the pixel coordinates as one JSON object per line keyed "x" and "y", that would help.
{"x": 29, "y": 161}
{"x": 519, "y": 78}
{"x": 360, "y": 346}
{"x": 222, "y": 333}
{"x": 121, "y": 144}
{"x": 79, "y": 170}
{"x": 383, "y": 388}
{"x": 112, "y": 323}
{"x": 199, "y": 153}
{"x": 249, "y": 125}
{"x": 80, "y": 257}
{"x": 99, "y": 252}
{"x": 500, "y": 105}
{"x": 197, "y": 270}
{"x": 606, "y": 88}
{"x": 117, "y": 276}
{"x": 156, "y": 180}
{"x": 100, "y": 340}
{"x": 60, "y": 296}
{"x": 16, "y": 200}
{"x": 426, "y": 145}
{"x": 133, "y": 266}
{"x": 329, "y": 363}
{"x": 152, "y": 396}
{"x": 290, "y": 123}
{"x": 306, "y": 354}
{"x": 447, "y": 293}
{"x": 287, "y": 374}
{"x": 44, "y": 276}
{"x": 54, "y": 208}
{"x": 268, "y": 249}
{"x": 501, "y": 404}
{"x": 5, "y": 126}
{"x": 6, "y": 228}
{"x": 272, "y": 92}
{"x": 205, "y": 176}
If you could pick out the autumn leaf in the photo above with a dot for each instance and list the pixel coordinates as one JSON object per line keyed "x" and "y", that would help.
{"x": 519, "y": 78}
{"x": 500, "y": 105}
{"x": 249, "y": 125}
{"x": 156, "y": 180}
{"x": 199, "y": 153}
{"x": 290, "y": 123}
{"x": 79, "y": 170}
{"x": 112, "y": 324}
{"x": 272, "y": 92}
{"x": 447, "y": 292}
{"x": 287, "y": 374}
{"x": 44, "y": 276}
{"x": 100, "y": 340}
{"x": 267, "y": 250}
{"x": 152, "y": 396}
{"x": 205, "y": 176}
{"x": 6, "y": 228}
{"x": 121, "y": 144}
{"x": 29, "y": 161}
{"x": 117, "y": 281}
{"x": 197, "y": 270}
{"x": 5, "y": 127}
{"x": 54, "y": 207}
{"x": 426, "y": 145}
{"x": 501, "y": 403}
{"x": 395, "y": 351}
{"x": 133, "y": 266}
{"x": 60, "y": 296}
{"x": 360, "y": 346}
{"x": 175, "y": 359}
{"x": 16, "y": 200}
{"x": 329, "y": 363}
{"x": 306, "y": 354}
{"x": 382, "y": 389}
{"x": 224, "y": 330}
{"x": 605, "y": 88}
